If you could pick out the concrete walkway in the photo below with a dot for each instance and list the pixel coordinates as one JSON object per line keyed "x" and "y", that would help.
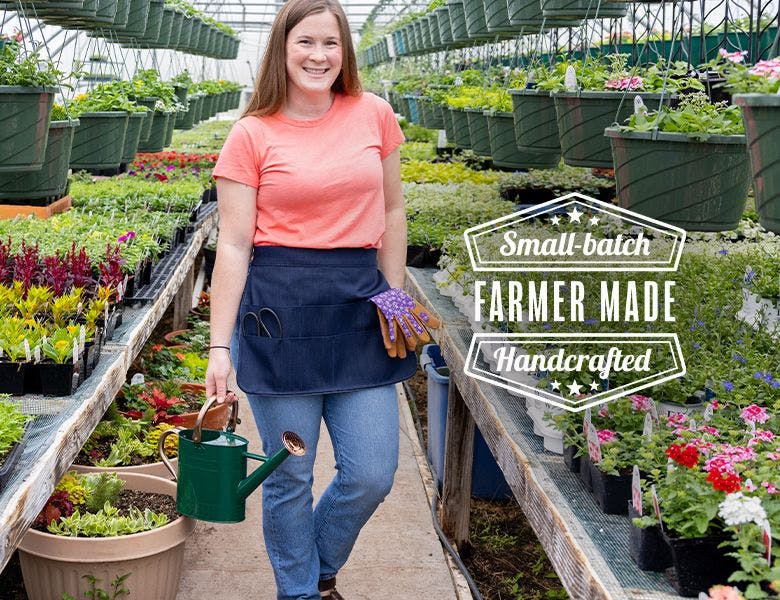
{"x": 397, "y": 555}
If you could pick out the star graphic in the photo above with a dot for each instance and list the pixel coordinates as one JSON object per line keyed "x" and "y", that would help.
{"x": 574, "y": 388}
{"x": 574, "y": 215}
{"x": 555, "y": 385}
{"x": 555, "y": 220}
{"x": 594, "y": 386}
{"x": 593, "y": 220}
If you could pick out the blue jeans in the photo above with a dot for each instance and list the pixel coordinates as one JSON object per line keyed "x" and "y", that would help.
{"x": 306, "y": 544}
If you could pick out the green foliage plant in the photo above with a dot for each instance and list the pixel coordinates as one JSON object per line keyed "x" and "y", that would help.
{"x": 25, "y": 71}
{"x": 107, "y": 522}
{"x": 102, "y": 488}
{"x": 12, "y": 422}
{"x": 117, "y": 589}
{"x": 416, "y": 171}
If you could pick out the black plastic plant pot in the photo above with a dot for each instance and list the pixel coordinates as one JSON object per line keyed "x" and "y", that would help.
{"x": 647, "y": 546}
{"x": 503, "y": 146}
{"x": 59, "y": 379}
{"x": 611, "y": 492}
{"x": 536, "y": 126}
{"x": 156, "y": 141}
{"x": 699, "y": 186}
{"x": 698, "y": 563}
{"x": 24, "y": 126}
{"x": 583, "y": 9}
{"x": 12, "y": 377}
{"x": 460, "y": 124}
{"x": 99, "y": 140}
{"x": 209, "y": 195}
{"x": 478, "y": 131}
{"x": 9, "y": 462}
{"x": 460, "y": 33}
{"x": 582, "y": 118}
{"x": 570, "y": 458}
{"x": 761, "y": 115}
{"x": 49, "y": 182}
{"x": 133, "y": 135}
{"x": 585, "y": 471}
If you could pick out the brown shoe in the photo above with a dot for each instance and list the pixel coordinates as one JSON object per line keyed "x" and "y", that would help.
{"x": 327, "y": 589}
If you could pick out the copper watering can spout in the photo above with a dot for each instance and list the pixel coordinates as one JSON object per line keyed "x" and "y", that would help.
{"x": 212, "y": 481}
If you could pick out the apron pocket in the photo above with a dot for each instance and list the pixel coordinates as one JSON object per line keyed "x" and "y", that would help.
{"x": 312, "y": 321}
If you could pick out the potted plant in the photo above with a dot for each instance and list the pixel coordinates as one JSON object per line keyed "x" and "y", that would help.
{"x": 93, "y": 526}
{"x": 172, "y": 402}
{"x": 196, "y": 337}
{"x": 597, "y": 93}
{"x": 50, "y": 182}
{"x": 687, "y": 166}
{"x": 27, "y": 93}
{"x": 756, "y": 94}
{"x": 12, "y": 427}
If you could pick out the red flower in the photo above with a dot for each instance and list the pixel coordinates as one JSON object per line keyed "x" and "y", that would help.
{"x": 724, "y": 481}
{"x": 160, "y": 177}
{"x": 686, "y": 455}
{"x": 157, "y": 347}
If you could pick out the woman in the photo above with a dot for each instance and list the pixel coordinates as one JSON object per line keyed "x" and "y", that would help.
{"x": 310, "y": 199}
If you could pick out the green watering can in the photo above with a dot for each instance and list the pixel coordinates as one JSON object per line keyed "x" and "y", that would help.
{"x": 212, "y": 484}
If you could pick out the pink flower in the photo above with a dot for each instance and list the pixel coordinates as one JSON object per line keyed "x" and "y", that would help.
{"x": 773, "y": 456}
{"x": 770, "y": 487}
{"x": 603, "y": 412}
{"x": 641, "y": 403}
{"x": 750, "y": 486}
{"x": 724, "y": 592}
{"x": 625, "y": 83}
{"x": 709, "y": 429}
{"x": 761, "y": 435}
{"x": 606, "y": 436}
{"x": 768, "y": 68}
{"x": 676, "y": 419}
{"x": 754, "y": 414}
{"x": 735, "y": 57}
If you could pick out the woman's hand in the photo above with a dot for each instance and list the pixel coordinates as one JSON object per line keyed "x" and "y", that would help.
{"x": 217, "y": 375}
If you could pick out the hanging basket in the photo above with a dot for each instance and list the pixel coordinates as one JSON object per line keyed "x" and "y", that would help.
{"x": 460, "y": 33}
{"x": 442, "y": 15}
{"x": 536, "y": 127}
{"x": 476, "y": 25}
{"x": 497, "y": 18}
{"x": 169, "y": 125}
{"x": 153, "y": 23}
{"x": 156, "y": 141}
{"x": 460, "y": 125}
{"x": 64, "y": 13}
{"x": 146, "y": 126}
{"x": 449, "y": 127}
{"x": 700, "y": 186}
{"x": 137, "y": 17}
{"x": 24, "y": 126}
{"x": 121, "y": 17}
{"x": 50, "y": 181}
{"x": 99, "y": 140}
{"x": 506, "y": 155}
{"x": 133, "y": 135}
{"x": 528, "y": 14}
{"x": 583, "y": 9}
{"x": 582, "y": 118}
{"x": 433, "y": 28}
{"x": 761, "y": 115}
{"x": 478, "y": 131}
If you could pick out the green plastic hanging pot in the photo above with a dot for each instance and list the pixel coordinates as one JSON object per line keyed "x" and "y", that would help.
{"x": 156, "y": 141}
{"x": 497, "y": 18}
{"x": 165, "y": 29}
{"x": 133, "y": 135}
{"x": 414, "y": 112}
{"x": 51, "y": 180}
{"x": 476, "y": 25}
{"x": 582, "y": 118}
{"x": 435, "y": 120}
{"x": 418, "y": 39}
{"x": 478, "y": 131}
{"x": 57, "y": 14}
{"x": 460, "y": 33}
{"x": 583, "y": 9}
{"x": 460, "y": 123}
{"x": 186, "y": 120}
{"x": 169, "y": 125}
{"x": 449, "y": 127}
{"x": 536, "y": 127}
{"x": 528, "y": 15}
{"x": 503, "y": 148}
{"x": 212, "y": 483}
{"x": 433, "y": 28}
{"x": 699, "y": 186}
{"x": 442, "y": 15}
{"x": 761, "y": 115}
{"x": 99, "y": 140}
{"x": 137, "y": 16}
{"x": 424, "y": 110}
{"x": 153, "y": 22}
{"x": 24, "y": 126}
{"x": 121, "y": 17}
{"x": 173, "y": 40}
{"x": 425, "y": 33}
{"x": 181, "y": 93}
{"x": 146, "y": 126}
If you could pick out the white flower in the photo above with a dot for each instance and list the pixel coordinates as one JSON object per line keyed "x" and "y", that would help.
{"x": 737, "y": 509}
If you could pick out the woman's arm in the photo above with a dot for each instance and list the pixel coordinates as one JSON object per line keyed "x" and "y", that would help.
{"x": 237, "y": 224}
{"x": 392, "y": 255}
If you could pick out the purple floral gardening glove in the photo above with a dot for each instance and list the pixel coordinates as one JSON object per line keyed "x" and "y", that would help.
{"x": 395, "y": 306}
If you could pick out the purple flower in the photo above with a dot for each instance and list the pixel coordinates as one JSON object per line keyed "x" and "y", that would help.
{"x": 132, "y": 173}
{"x": 728, "y": 386}
{"x": 170, "y": 168}
{"x": 547, "y": 326}
{"x": 696, "y": 345}
{"x": 723, "y": 251}
{"x": 758, "y": 375}
{"x": 701, "y": 323}
{"x": 739, "y": 358}
{"x": 590, "y": 321}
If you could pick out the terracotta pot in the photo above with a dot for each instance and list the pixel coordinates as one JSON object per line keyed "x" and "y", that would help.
{"x": 168, "y": 337}
{"x": 204, "y": 316}
{"x": 216, "y": 417}
{"x": 53, "y": 565}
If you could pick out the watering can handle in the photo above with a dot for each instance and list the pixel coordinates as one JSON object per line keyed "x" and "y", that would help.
{"x": 232, "y": 420}
{"x": 161, "y": 450}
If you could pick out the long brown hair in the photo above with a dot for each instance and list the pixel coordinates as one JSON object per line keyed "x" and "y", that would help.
{"x": 271, "y": 85}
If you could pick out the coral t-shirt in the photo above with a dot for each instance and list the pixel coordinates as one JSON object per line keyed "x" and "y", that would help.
{"x": 319, "y": 183}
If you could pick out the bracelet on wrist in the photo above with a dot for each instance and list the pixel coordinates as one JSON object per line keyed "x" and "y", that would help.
{"x": 214, "y": 347}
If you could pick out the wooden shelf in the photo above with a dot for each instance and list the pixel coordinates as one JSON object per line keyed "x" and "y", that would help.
{"x": 56, "y": 437}
{"x": 589, "y": 550}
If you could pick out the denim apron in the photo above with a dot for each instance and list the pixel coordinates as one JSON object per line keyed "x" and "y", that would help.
{"x": 306, "y": 326}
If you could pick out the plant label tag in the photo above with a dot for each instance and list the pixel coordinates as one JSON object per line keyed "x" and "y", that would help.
{"x": 37, "y": 354}
{"x": 647, "y": 430}
{"x": 105, "y": 315}
{"x": 654, "y": 410}
{"x": 766, "y": 539}
{"x": 639, "y": 106}
{"x": 137, "y": 379}
{"x": 79, "y": 308}
{"x": 656, "y": 506}
{"x": 594, "y": 447}
{"x": 1, "y": 352}
{"x": 586, "y": 419}
{"x": 27, "y": 351}
{"x": 752, "y": 426}
{"x": 708, "y": 412}
{"x": 82, "y": 337}
{"x": 75, "y": 351}
{"x": 669, "y": 465}
{"x": 636, "y": 490}
{"x": 692, "y": 425}
{"x": 570, "y": 79}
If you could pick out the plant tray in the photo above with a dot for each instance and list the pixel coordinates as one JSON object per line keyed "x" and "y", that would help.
{"x": 9, "y": 211}
{"x": 9, "y": 464}
{"x": 161, "y": 273}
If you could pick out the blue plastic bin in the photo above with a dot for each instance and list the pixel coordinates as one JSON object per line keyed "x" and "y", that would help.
{"x": 487, "y": 480}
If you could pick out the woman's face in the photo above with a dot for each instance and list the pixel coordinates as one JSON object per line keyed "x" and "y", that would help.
{"x": 313, "y": 52}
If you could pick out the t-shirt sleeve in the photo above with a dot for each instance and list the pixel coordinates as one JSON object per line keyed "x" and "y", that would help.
{"x": 392, "y": 136}
{"x": 238, "y": 158}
